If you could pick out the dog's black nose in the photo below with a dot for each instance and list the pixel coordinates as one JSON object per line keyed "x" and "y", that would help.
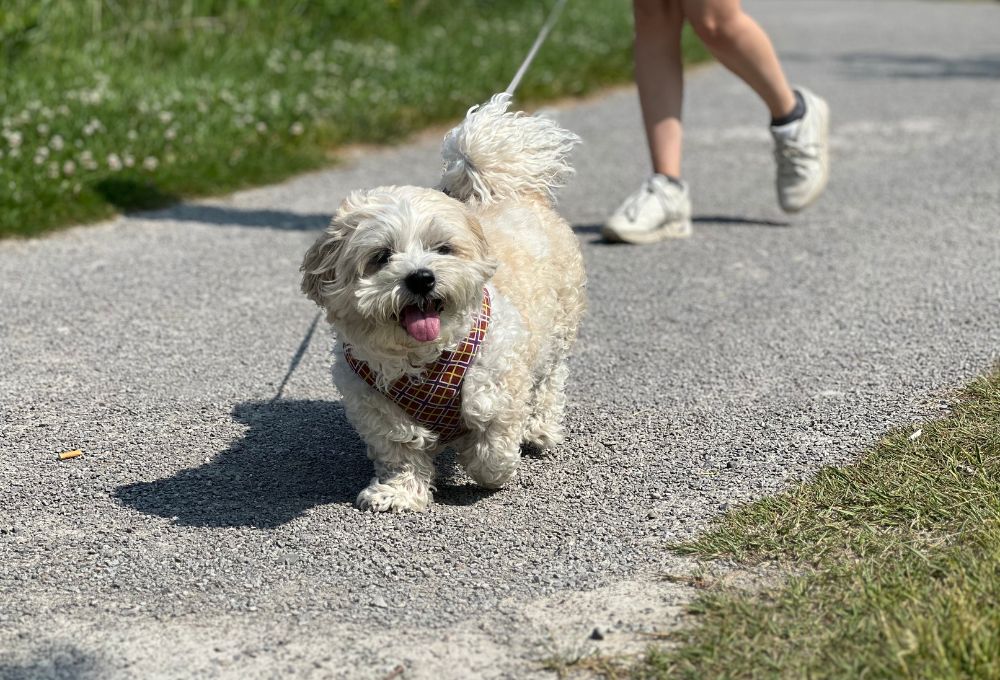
{"x": 420, "y": 281}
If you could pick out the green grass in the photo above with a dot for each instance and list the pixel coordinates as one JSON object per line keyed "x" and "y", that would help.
{"x": 110, "y": 105}
{"x": 895, "y": 563}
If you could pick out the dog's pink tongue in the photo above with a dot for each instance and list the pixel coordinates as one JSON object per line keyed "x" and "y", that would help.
{"x": 423, "y": 326}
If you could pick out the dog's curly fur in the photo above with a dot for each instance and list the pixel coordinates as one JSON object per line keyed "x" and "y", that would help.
{"x": 490, "y": 223}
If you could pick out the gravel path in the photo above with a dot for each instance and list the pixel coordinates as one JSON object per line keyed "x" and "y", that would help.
{"x": 208, "y": 530}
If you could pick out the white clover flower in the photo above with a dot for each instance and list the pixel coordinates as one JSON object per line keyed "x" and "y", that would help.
{"x": 13, "y": 138}
{"x": 87, "y": 160}
{"x": 53, "y": 171}
{"x": 261, "y": 127}
{"x": 56, "y": 143}
{"x": 114, "y": 162}
{"x": 297, "y": 128}
{"x": 91, "y": 96}
{"x": 170, "y": 133}
{"x": 132, "y": 135}
{"x": 42, "y": 129}
{"x": 150, "y": 163}
{"x": 129, "y": 160}
{"x": 91, "y": 127}
{"x": 166, "y": 117}
{"x": 68, "y": 168}
{"x": 63, "y": 110}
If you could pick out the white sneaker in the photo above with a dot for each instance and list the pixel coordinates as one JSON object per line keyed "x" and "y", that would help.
{"x": 658, "y": 210}
{"x": 801, "y": 149}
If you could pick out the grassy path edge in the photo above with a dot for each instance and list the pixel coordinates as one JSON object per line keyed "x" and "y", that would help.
{"x": 895, "y": 564}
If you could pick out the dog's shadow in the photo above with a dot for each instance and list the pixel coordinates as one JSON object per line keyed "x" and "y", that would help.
{"x": 294, "y": 456}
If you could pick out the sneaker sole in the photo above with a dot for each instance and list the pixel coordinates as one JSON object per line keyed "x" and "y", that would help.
{"x": 668, "y": 230}
{"x": 824, "y": 166}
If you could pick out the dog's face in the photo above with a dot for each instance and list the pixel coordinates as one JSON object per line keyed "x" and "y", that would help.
{"x": 399, "y": 268}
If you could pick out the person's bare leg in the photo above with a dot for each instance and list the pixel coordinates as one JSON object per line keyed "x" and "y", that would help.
{"x": 660, "y": 78}
{"x": 743, "y": 47}
{"x": 800, "y": 120}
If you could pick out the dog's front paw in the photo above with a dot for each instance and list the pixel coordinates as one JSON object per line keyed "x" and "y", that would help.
{"x": 494, "y": 472}
{"x": 543, "y": 437}
{"x": 379, "y": 497}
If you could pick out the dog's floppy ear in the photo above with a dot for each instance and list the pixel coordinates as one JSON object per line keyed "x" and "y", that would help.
{"x": 485, "y": 253}
{"x": 319, "y": 265}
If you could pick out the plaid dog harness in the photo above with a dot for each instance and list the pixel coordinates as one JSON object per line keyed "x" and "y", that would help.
{"x": 434, "y": 398}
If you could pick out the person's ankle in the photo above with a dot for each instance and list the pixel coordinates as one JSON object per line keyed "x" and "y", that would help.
{"x": 797, "y": 112}
{"x": 673, "y": 179}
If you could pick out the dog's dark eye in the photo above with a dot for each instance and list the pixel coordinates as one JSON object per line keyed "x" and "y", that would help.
{"x": 379, "y": 259}
{"x": 445, "y": 249}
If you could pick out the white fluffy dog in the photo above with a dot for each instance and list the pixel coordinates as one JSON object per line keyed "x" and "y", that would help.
{"x": 455, "y": 307}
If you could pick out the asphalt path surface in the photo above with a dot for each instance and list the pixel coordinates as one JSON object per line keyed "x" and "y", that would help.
{"x": 208, "y": 529}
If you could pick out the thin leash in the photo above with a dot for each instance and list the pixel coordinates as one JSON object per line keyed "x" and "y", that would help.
{"x": 543, "y": 35}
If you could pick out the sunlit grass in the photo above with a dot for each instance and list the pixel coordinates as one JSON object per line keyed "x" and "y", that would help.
{"x": 895, "y": 565}
{"x": 110, "y": 105}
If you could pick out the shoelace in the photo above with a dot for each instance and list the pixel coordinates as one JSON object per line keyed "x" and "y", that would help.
{"x": 793, "y": 158}
{"x": 633, "y": 204}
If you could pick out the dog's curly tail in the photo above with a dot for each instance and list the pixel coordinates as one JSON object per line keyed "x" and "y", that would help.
{"x": 495, "y": 154}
